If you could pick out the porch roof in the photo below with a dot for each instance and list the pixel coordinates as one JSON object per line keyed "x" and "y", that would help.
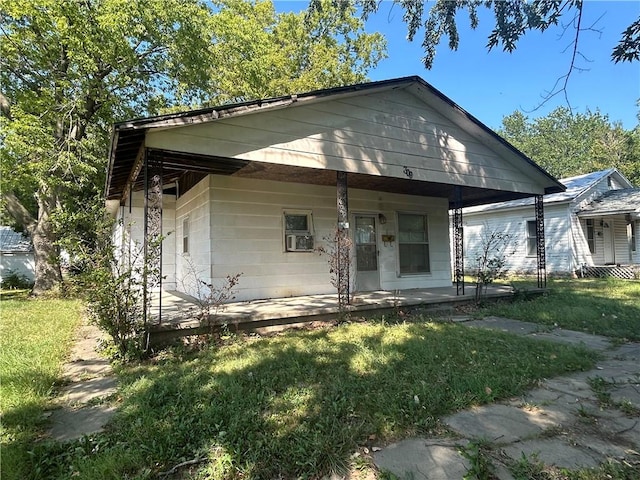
{"x": 614, "y": 202}
{"x": 128, "y": 143}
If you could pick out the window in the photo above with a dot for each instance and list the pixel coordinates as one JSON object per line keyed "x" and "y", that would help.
{"x": 413, "y": 243}
{"x": 591, "y": 235}
{"x": 298, "y": 231}
{"x": 532, "y": 242}
{"x": 185, "y": 235}
{"x": 633, "y": 236}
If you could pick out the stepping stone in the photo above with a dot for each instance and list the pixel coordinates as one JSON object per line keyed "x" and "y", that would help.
{"x": 421, "y": 459}
{"x": 499, "y": 423}
{"x": 556, "y": 452}
{"x": 569, "y": 337}
{"x": 626, "y": 393}
{"x": 88, "y": 390}
{"x": 69, "y": 424}
{"x": 505, "y": 325}
{"x": 576, "y": 386}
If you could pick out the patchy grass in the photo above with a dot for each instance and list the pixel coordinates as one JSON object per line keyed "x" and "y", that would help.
{"x": 300, "y": 404}
{"x": 603, "y": 306}
{"x": 35, "y": 336}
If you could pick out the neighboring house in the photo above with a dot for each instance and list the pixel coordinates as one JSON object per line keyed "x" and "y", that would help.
{"x": 255, "y": 188}
{"x": 594, "y": 223}
{"x": 16, "y": 254}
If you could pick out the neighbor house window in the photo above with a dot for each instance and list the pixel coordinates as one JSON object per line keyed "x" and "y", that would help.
{"x": 413, "y": 243}
{"x": 591, "y": 235}
{"x": 298, "y": 231}
{"x": 633, "y": 236}
{"x": 532, "y": 241}
{"x": 185, "y": 235}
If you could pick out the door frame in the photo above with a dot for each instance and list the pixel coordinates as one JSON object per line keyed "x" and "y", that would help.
{"x": 374, "y": 277}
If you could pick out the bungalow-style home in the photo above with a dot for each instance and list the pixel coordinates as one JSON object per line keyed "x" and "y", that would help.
{"x": 16, "y": 255}
{"x": 258, "y": 187}
{"x": 591, "y": 228}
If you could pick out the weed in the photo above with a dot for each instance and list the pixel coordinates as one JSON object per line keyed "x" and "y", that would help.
{"x": 601, "y": 388}
{"x": 529, "y": 468}
{"x": 477, "y": 452}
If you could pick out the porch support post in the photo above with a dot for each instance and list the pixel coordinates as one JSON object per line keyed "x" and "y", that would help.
{"x": 540, "y": 244}
{"x": 342, "y": 241}
{"x": 458, "y": 242}
{"x": 152, "y": 235}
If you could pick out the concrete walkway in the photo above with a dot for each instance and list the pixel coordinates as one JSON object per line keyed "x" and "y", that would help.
{"x": 563, "y": 423}
{"x": 90, "y": 380}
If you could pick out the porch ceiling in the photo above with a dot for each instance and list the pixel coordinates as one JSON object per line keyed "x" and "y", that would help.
{"x": 177, "y": 164}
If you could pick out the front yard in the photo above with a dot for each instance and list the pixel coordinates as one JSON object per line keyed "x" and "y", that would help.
{"x": 300, "y": 404}
{"x": 600, "y": 306}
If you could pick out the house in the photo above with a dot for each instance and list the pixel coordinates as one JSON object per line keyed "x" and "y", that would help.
{"x": 590, "y": 226}
{"x": 16, "y": 255}
{"x": 257, "y": 187}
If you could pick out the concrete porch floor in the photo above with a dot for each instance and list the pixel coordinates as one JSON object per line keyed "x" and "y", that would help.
{"x": 180, "y": 312}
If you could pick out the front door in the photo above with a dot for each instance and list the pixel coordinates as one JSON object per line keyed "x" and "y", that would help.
{"x": 608, "y": 244}
{"x": 367, "y": 277}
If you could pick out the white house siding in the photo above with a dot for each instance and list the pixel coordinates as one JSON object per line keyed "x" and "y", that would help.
{"x": 195, "y": 265}
{"x": 19, "y": 263}
{"x": 514, "y": 223}
{"x": 384, "y": 134}
{"x": 247, "y": 236}
{"x": 128, "y": 235}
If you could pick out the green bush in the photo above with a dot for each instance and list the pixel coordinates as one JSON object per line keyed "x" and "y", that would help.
{"x": 15, "y": 281}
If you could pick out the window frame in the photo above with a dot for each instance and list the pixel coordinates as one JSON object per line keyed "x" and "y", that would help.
{"x": 634, "y": 235}
{"x": 530, "y": 238}
{"x": 591, "y": 235}
{"x": 186, "y": 232}
{"x": 308, "y": 232}
{"x": 427, "y": 242}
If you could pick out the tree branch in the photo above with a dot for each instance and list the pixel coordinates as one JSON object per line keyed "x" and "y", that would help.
{"x": 18, "y": 212}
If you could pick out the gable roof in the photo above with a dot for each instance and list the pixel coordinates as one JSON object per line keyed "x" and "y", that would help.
{"x": 129, "y": 137}
{"x": 614, "y": 202}
{"x": 575, "y": 186}
{"x": 12, "y": 241}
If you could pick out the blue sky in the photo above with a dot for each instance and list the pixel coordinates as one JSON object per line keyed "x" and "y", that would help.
{"x": 492, "y": 85}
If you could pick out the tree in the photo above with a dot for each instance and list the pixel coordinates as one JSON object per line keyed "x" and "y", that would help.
{"x": 275, "y": 54}
{"x": 568, "y": 144}
{"x": 70, "y": 68}
{"x": 512, "y": 20}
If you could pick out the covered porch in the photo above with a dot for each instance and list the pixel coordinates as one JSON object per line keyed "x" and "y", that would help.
{"x": 182, "y": 315}
{"x": 611, "y": 223}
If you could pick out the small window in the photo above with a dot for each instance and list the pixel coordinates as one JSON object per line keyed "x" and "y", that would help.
{"x": 413, "y": 243}
{"x": 633, "y": 236}
{"x": 185, "y": 235}
{"x": 591, "y": 236}
{"x": 532, "y": 242}
{"x": 298, "y": 231}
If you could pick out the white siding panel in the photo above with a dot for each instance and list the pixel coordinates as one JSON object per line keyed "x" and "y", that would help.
{"x": 248, "y": 237}
{"x": 373, "y": 134}
{"x": 195, "y": 265}
{"x": 514, "y": 224}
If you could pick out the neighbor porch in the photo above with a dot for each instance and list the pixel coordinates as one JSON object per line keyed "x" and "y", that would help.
{"x": 182, "y": 316}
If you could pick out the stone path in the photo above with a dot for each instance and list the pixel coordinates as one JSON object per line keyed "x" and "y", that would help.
{"x": 82, "y": 410}
{"x": 563, "y": 423}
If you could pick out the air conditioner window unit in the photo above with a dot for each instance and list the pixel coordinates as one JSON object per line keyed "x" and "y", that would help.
{"x": 299, "y": 243}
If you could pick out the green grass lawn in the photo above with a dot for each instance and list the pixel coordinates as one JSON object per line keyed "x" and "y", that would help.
{"x": 293, "y": 405}
{"x": 35, "y": 336}
{"x": 301, "y": 403}
{"x": 603, "y": 306}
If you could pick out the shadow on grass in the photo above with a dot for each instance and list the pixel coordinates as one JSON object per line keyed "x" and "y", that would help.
{"x": 300, "y": 404}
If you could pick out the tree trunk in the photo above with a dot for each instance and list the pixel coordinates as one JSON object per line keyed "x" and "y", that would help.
{"x": 45, "y": 251}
